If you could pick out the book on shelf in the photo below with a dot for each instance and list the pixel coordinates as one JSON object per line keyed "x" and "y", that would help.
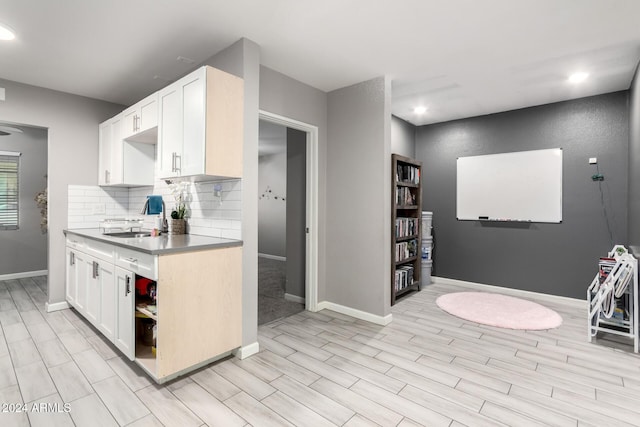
{"x": 403, "y": 277}
{"x": 405, "y": 250}
{"x": 407, "y": 174}
{"x": 406, "y": 227}
{"x": 404, "y": 196}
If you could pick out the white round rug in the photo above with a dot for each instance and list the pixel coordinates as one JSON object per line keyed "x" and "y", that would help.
{"x": 499, "y": 310}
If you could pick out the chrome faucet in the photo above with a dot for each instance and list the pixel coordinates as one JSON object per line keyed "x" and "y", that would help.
{"x": 165, "y": 223}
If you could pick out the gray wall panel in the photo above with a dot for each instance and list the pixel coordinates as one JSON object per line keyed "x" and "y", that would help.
{"x": 634, "y": 164}
{"x": 403, "y": 137}
{"x": 557, "y": 259}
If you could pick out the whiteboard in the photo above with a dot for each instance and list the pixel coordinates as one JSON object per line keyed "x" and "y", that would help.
{"x": 521, "y": 186}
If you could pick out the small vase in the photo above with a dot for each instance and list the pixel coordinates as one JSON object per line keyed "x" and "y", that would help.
{"x": 177, "y": 226}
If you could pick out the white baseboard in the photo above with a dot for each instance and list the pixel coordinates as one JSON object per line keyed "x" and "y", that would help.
{"x": 247, "y": 350}
{"x": 56, "y": 306}
{"x": 294, "y": 298}
{"x": 276, "y": 257}
{"x": 358, "y": 314}
{"x": 24, "y": 274}
{"x": 517, "y": 292}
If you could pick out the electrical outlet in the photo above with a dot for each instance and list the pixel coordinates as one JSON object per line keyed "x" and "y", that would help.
{"x": 593, "y": 161}
{"x": 99, "y": 208}
{"x": 217, "y": 190}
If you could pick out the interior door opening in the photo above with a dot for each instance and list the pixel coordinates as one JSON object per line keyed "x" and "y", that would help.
{"x": 281, "y": 221}
{"x": 23, "y": 206}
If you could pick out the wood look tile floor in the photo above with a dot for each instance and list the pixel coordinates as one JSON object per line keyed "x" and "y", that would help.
{"x": 323, "y": 369}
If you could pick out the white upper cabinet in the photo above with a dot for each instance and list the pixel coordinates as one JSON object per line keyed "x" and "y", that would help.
{"x": 200, "y": 127}
{"x": 123, "y": 162}
{"x": 141, "y": 120}
{"x": 110, "y": 152}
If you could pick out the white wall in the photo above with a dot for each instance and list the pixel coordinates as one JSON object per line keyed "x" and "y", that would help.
{"x": 72, "y": 123}
{"x": 358, "y": 197}
{"x": 25, "y": 249}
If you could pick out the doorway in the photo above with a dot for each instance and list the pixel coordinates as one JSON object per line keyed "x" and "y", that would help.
{"x": 23, "y": 203}
{"x": 299, "y": 270}
{"x": 281, "y": 221}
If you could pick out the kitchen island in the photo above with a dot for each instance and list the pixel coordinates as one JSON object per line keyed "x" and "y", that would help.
{"x": 171, "y": 303}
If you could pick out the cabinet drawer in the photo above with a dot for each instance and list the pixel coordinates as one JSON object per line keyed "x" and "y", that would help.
{"x": 100, "y": 250}
{"x": 75, "y": 242}
{"x": 137, "y": 262}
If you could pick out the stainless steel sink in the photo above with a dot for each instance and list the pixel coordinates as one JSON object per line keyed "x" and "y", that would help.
{"x": 128, "y": 234}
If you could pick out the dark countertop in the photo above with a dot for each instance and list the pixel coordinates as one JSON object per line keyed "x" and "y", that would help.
{"x": 161, "y": 245}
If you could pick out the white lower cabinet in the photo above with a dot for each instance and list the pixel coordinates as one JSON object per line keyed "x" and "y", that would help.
{"x": 101, "y": 292}
{"x": 124, "y": 337}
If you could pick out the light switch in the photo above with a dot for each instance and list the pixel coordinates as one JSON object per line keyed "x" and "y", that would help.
{"x": 593, "y": 160}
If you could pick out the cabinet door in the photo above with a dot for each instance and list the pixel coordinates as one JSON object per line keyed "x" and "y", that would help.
{"x": 169, "y": 129}
{"x": 148, "y": 116}
{"x": 191, "y": 161}
{"x": 104, "y": 153}
{"x": 70, "y": 277}
{"x": 108, "y": 309}
{"x": 130, "y": 121}
{"x": 92, "y": 306}
{"x": 117, "y": 124}
{"x": 82, "y": 273}
{"x": 125, "y": 320}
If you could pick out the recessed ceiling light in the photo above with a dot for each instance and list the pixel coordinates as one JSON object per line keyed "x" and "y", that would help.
{"x": 6, "y": 33}
{"x": 578, "y": 77}
{"x": 420, "y": 110}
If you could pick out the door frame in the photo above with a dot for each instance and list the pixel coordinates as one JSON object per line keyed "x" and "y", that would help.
{"x": 311, "y": 241}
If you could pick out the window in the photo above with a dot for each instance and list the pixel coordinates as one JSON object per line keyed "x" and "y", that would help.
{"x": 9, "y": 169}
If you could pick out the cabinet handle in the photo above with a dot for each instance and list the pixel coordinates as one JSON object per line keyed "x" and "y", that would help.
{"x": 178, "y": 165}
{"x": 173, "y": 162}
{"x": 127, "y": 289}
{"x": 131, "y": 260}
{"x": 96, "y": 269}
{"x": 107, "y": 176}
{"x": 72, "y": 258}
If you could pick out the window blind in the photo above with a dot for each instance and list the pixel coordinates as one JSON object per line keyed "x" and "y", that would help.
{"x": 9, "y": 189}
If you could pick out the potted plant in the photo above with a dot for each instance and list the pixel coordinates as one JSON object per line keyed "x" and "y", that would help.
{"x": 177, "y": 223}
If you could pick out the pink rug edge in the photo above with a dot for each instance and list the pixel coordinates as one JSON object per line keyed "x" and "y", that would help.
{"x": 553, "y": 323}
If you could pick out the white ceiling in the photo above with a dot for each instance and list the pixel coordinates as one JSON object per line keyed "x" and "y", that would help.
{"x": 459, "y": 58}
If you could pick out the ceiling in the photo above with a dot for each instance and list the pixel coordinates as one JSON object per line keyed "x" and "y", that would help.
{"x": 458, "y": 58}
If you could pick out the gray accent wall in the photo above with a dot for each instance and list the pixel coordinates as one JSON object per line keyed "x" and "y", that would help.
{"x": 72, "y": 123}
{"x": 25, "y": 249}
{"x": 634, "y": 164}
{"x": 296, "y": 212}
{"x": 243, "y": 59}
{"x": 358, "y": 203}
{"x": 559, "y": 259}
{"x": 403, "y": 137}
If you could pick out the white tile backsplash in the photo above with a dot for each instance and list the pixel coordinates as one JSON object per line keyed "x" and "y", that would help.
{"x": 207, "y": 215}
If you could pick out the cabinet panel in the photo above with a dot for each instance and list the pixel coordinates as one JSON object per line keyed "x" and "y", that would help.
{"x": 124, "y": 337}
{"x": 170, "y": 130}
{"x": 104, "y": 153}
{"x": 141, "y": 116}
{"x": 71, "y": 282}
{"x": 192, "y": 156}
{"x": 107, "y": 314}
{"x": 82, "y": 270}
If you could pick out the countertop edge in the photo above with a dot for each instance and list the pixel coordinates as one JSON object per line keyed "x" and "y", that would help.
{"x": 227, "y": 243}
